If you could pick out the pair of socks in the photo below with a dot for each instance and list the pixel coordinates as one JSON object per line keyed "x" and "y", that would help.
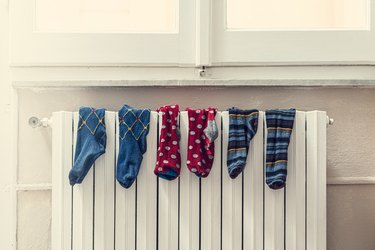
{"x": 279, "y": 128}
{"x": 91, "y": 142}
{"x": 243, "y": 125}
{"x": 168, "y": 162}
{"x": 202, "y": 134}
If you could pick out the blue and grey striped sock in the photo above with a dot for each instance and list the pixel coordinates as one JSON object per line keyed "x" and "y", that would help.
{"x": 243, "y": 125}
{"x": 279, "y": 128}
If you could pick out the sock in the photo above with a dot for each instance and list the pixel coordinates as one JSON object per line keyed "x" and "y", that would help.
{"x": 201, "y": 146}
{"x": 243, "y": 125}
{"x": 211, "y": 130}
{"x": 279, "y": 128}
{"x": 168, "y": 160}
{"x": 134, "y": 127}
{"x": 91, "y": 142}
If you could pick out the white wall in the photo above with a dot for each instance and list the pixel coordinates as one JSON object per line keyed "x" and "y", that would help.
{"x": 351, "y": 150}
{"x": 6, "y": 208}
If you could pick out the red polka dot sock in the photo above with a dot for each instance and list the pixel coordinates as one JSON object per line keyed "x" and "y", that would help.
{"x": 201, "y": 145}
{"x": 168, "y": 159}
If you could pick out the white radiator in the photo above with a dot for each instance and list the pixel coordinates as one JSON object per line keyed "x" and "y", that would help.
{"x": 189, "y": 214}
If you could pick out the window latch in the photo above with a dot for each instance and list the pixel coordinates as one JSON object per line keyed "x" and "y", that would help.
{"x": 203, "y": 71}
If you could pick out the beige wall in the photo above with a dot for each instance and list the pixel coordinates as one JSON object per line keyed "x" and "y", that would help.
{"x": 6, "y": 123}
{"x": 351, "y": 147}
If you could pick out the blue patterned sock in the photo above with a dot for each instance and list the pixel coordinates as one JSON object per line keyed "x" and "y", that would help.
{"x": 134, "y": 127}
{"x": 91, "y": 142}
{"x": 243, "y": 125}
{"x": 279, "y": 128}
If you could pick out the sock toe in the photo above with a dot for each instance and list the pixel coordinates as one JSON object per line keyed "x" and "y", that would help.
{"x": 126, "y": 182}
{"x": 168, "y": 175}
{"x": 276, "y": 183}
{"x": 236, "y": 169}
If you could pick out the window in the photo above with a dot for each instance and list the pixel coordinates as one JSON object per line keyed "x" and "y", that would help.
{"x": 292, "y": 31}
{"x": 105, "y": 32}
{"x": 297, "y": 15}
{"x": 190, "y": 32}
{"x": 106, "y": 16}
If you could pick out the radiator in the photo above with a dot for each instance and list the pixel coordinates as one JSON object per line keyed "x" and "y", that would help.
{"x": 188, "y": 213}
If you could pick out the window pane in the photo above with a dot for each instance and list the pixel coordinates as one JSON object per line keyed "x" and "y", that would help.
{"x": 298, "y": 14}
{"x": 103, "y": 16}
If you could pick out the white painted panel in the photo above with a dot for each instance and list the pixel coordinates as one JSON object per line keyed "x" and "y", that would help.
{"x": 83, "y": 206}
{"x": 168, "y": 212}
{"x": 295, "y": 187}
{"x": 203, "y": 33}
{"x": 111, "y": 16}
{"x": 253, "y": 192}
{"x": 147, "y": 191}
{"x": 274, "y": 219}
{"x": 189, "y": 194}
{"x": 125, "y": 210}
{"x": 62, "y": 156}
{"x": 51, "y": 48}
{"x": 231, "y": 199}
{"x": 273, "y": 213}
{"x": 291, "y": 15}
{"x": 316, "y": 180}
{"x": 211, "y": 199}
{"x": 104, "y": 189}
{"x": 244, "y": 46}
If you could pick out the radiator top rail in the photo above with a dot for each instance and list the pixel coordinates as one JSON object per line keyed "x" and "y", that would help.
{"x": 45, "y": 122}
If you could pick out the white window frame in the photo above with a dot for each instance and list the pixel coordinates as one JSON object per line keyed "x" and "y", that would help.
{"x": 289, "y": 47}
{"x": 30, "y": 48}
{"x": 42, "y": 60}
{"x": 202, "y": 40}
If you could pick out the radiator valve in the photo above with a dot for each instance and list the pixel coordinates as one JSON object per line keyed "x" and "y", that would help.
{"x": 35, "y": 122}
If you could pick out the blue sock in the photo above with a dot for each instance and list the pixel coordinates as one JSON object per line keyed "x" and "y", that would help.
{"x": 279, "y": 128}
{"x": 91, "y": 142}
{"x": 134, "y": 127}
{"x": 243, "y": 125}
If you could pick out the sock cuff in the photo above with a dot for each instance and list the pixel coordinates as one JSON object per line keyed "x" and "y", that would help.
{"x": 91, "y": 119}
{"x": 133, "y": 122}
{"x": 243, "y": 112}
{"x": 239, "y": 117}
{"x": 280, "y": 118}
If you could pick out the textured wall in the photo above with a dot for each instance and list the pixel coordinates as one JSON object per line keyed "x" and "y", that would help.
{"x": 351, "y": 150}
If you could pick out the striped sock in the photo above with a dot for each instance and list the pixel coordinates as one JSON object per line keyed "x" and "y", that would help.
{"x": 279, "y": 128}
{"x": 243, "y": 126}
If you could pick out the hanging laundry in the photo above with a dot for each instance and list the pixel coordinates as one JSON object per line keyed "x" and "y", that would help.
{"x": 91, "y": 142}
{"x": 279, "y": 128}
{"x": 243, "y": 125}
{"x": 134, "y": 127}
{"x": 201, "y": 146}
{"x": 169, "y": 159}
